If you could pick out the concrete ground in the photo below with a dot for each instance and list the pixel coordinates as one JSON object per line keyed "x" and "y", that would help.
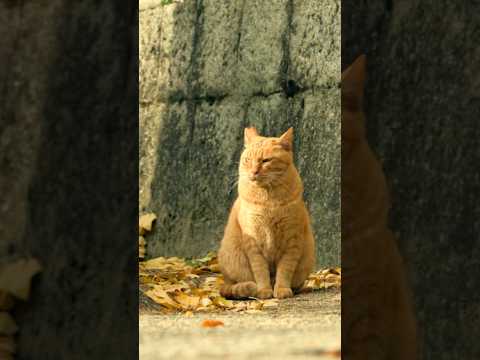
{"x": 304, "y": 327}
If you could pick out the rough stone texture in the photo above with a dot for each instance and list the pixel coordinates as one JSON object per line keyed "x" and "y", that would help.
{"x": 22, "y": 86}
{"x": 207, "y": 70}
{"x": 68, "y": 175}
{"x": 302, "y": 327}
{"x": 423, "y": 108}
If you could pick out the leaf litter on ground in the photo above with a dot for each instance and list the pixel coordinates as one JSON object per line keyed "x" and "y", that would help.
{"x": 193, "y": 285}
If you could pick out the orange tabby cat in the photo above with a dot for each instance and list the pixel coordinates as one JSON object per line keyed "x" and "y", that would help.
{"x": 268, "y": 247}
{"x": 377, "y": 316}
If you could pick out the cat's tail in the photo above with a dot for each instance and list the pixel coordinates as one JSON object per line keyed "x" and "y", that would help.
{"x": 239, "y": 290}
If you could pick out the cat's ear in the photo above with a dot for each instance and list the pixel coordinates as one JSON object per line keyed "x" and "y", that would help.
{"x": 353, "y": 78}
{"x": 249, "y": 135}
{"x": 286, "y": 140}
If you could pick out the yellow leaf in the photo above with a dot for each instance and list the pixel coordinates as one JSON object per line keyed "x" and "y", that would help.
{"x": 15, "y": 277}
{"x": 7, "y": 324}
{"x": 169, "y": 288}
{"x": 331, "y": 277}
{"x": 6, "y": 301}
{"x": 214, "y": 268}
{"x": 192, "y": 276}
{"x": 161, "y": 297}
{"x": 270, "y": 303}
{"x": 145, "y": 223}
{"x": 187, "y": 302}
{"x": 205, "y": 301}
{"x": 7, "y": 346}
{"x": 255, "y": 305}
{"x": 222, "y": 302}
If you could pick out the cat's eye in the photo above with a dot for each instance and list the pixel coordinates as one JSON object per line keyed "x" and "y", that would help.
{"x": 266, "y": 160}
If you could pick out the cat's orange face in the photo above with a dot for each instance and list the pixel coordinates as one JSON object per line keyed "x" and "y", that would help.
{"x": 264, "y": 160}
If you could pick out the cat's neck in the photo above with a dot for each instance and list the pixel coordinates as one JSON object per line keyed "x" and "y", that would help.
{"x": 287, "y": 189}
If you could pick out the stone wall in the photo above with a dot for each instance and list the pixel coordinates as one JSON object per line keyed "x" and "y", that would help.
{"x": 207, "y": 70}
{"x": 68, "y": 175}
{"x": 423, "y": 111}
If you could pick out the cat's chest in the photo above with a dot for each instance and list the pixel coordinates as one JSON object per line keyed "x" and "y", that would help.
{"x": 268, "y": 226}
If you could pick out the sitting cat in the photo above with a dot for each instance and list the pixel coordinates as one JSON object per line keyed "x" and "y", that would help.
{"x": 268, "y": 246}
{"x": 377, "y": 317}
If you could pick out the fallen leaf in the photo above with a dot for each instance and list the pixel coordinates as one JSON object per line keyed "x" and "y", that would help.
{"x": 145, "y": 223}
{"x": 161, "y": 297}
{"x": 270, "y": 303}
{"x": 15, "y": 277}
{"x": 4, "y": 355}
{"x": 222, "y": 302}
{"x": 206, "y": 302}
{"x": 193, "y": 285}
{"x": 7, "y": 324}
{"x": 187, "y": 302}
{"x": 214, "y": 268}
{"x": 253, "y": 311}
{"x": 6, "y": 301}
{"x": 255, "y": 305}
{"x": 331, "y": 277}
{"x": 211, "y": 323}
{"x": 7, "y": 345}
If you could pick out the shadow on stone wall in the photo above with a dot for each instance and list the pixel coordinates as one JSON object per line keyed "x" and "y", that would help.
{"x": 423, "y": 110}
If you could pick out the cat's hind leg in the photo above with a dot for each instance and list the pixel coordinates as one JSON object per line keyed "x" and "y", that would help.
{"x": 238, "y": 277}
{"x": 241, "y": 290}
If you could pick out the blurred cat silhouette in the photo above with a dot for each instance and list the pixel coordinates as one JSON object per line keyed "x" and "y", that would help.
{"x": 377, "y": 313}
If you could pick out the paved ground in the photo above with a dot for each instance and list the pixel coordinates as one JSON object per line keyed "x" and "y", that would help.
{"x": 304, "y": 327}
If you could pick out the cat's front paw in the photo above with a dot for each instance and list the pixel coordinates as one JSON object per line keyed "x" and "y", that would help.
{"x": 282, "y": 293}
{"x": 265, "y": 293}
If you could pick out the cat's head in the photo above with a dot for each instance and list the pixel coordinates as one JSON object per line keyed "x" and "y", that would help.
{"x": 265, "y": 159}
{"x": 353, "y": 118}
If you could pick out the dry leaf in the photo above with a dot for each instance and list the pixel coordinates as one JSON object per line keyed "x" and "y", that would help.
{"x": 214, "y": 268}
{"x": 253, "y": 311}
{"x": 141, "y": 247}
{"x": 205, "y": 302}
{"x": 7, "y": 324}
{"x": 211, "y": 323}
{"x": 193, "y": 285}
{"x": 6, "y": 301}
{"x": 161, "y": 297}
{"x": 4, "y": 355}
{"x": 331, "y": 277}
{"x": 145, "y": 223}
{"x": 255, "y": 305}
{"x": 187, "y": 302}
{"x": 222, "y": 302}
{"x": 15, "y": 278}
{"x": 270, "y": 303}
{"x": 7, "y": 345}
